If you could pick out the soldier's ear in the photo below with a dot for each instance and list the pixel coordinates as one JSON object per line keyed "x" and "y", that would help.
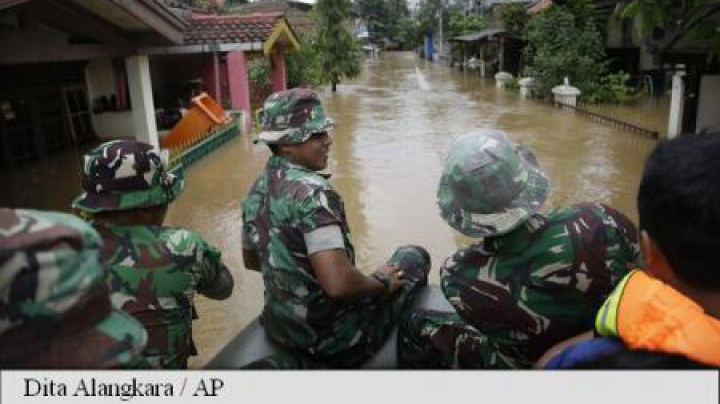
{"x": 655, "y": 261}
{"x": 647, "y": 248}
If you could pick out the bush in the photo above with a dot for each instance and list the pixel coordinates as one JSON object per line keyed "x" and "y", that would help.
{"x": 613, "y": 88}
{"x": 563, "y": 41}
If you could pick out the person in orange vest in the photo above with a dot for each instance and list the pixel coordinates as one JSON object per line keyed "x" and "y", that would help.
{"x": 673, "y": 306}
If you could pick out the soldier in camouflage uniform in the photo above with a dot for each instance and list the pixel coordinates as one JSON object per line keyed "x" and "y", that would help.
{"x": 155, "y": 271}
{"x": 55, "y": 309}
{"x": 531, "y": 281}
{"x": 317, "y": 304}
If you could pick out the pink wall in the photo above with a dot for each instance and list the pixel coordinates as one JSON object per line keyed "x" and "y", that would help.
{"x": 279, "y": 78}
{"x": 239, "y": 84}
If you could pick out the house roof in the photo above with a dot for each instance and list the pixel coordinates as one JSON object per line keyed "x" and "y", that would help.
{"x": 265, "y": 28}
{"x": 479, "y": 36}
{"x": 539, "y": 6}
{"x": 225, "y": 29}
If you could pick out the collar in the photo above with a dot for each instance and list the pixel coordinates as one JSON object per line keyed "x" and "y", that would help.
{"x": 282, "y": 162}
{"x": 517, "y": 240}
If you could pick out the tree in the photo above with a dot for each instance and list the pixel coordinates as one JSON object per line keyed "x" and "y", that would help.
{"x": 338, "y": 53}
{"x": 427, "y": 17}
{"x": 662, "y": 23}
{"x": 303, "y": 66}
{"x": 460, "y": 24}
{"x": 375, "y": 13}
{"x": 514, "y": 18}
{"x": 563, "y": 41}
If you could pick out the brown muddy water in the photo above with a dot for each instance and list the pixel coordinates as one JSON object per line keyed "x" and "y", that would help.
{"x": 393, "y": 125}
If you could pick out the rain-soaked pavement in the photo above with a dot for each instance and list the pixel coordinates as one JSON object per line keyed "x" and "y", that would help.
{"x": 393, "y": 125}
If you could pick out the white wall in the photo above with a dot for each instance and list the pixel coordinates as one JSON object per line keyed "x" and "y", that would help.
{"x": 101, "y": 81}
{"x": 709, "y": 104}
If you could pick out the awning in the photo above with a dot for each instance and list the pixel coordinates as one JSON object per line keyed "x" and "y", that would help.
{"x": 486, "y": 35}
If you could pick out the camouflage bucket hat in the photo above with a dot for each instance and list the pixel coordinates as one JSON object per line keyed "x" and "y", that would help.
{"x": 489, "y": 187}
{"x": 125, "y": 174}
{"x": 55, "y": 308}
{"x": 292, "y": 116}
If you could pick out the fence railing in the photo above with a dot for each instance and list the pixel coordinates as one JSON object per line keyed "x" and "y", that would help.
{"x": 597, "y": 113}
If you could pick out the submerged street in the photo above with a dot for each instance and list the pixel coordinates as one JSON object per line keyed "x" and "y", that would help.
{"x": 393, "y": 125}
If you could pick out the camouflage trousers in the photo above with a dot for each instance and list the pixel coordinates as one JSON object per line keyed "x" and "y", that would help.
{"x": 373, "y": 320}
{"x": 440, "y": 340}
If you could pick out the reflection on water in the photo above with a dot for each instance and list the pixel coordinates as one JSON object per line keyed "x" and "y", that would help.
{"x": 393, "y": 125}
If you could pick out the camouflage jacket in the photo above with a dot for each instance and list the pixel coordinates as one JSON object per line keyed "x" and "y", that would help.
{"x": 286, "y": 202}
{"x": 154, "y": 273}
{"x": 544, "y": 281}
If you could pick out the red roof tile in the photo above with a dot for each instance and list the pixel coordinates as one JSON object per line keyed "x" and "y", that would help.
{"x": 219, "y": 29}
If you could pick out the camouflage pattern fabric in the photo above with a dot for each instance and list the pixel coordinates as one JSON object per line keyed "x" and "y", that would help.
{"x": 55, "y": 309}
{"x": 518, "y": 294}
{"x": 125, "y": 174}
{"x": 286, "y": 202}
{"x": 284, "y": 361}
{"x": 292, "y": 116}
{"x": 488, "y": 186}
{"x": 155, "y": 272}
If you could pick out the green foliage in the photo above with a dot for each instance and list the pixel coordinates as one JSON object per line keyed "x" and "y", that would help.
{"x": 614, "y": 88}
{"x": 658, "y": 20}
{"x": 388, "y": 19}
{"x": 460, "y": 24}
{"x": 405, "y": 33}
{"x": 427, "y": 17}
{"x": 514, "y": 17}
{"x": 259, "y": 71}
{"x": 339, "y": 54}
{"x": 563, "y": 41}
{"x": 512, "y": 85}
{"x": 303, "y": 66}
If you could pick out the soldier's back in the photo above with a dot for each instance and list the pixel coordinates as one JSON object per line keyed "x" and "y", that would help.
{"x": 154, "y": 274}
{"x": 544, "y": 281}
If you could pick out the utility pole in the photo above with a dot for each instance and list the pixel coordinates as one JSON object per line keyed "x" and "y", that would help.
{"x": 440, "y": 26}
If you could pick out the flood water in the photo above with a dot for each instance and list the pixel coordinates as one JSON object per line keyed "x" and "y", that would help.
{"x": 393, "y": 125}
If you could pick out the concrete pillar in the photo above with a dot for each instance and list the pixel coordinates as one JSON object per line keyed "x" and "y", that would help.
{"x": 141, "y": 99}
{"x": 677, "y": 104}
{"x": 239, "y": 86}
{"x": 216, "y": 79}
{"x": 482, "y": 61}
{"x": 279, "y": 78}
{"x": 502, "y": 78}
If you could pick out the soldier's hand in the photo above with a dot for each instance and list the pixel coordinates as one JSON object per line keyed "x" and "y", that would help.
{"x": 395, "y": 275}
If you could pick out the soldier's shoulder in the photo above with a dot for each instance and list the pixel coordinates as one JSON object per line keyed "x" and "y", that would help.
{"x": 472, "y": 256}
{"x": 590, "y": 214}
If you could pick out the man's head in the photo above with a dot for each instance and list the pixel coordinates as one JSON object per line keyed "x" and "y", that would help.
{"x": 679, "y": 209}
{"x": 294, "y": 124}
{"x": 126, "y": 175}
{"x": 56, "y": 305}
{"x": 488, "y": 186}
{"x": 312, "y": 153}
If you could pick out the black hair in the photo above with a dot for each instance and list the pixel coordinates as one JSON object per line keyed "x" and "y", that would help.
{"x": 641, "y": 359}
{"x": 275, "y": 149}
{"x": 679, "y": 206}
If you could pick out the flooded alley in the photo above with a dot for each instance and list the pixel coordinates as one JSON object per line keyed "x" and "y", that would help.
{"x": 393, "y": 125}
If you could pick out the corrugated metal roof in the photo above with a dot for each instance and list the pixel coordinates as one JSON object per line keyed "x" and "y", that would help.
{"x": 479, "y": 36}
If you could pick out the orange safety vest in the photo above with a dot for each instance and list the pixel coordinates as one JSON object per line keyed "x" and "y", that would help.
{"x": 647, "y": 314}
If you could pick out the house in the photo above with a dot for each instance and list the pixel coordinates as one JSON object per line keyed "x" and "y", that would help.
{"x": 77, "y": 70}
{"x": 672, "y": 60}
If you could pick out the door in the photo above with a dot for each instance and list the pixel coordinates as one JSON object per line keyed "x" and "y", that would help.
{"x": 78, "y": 114}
